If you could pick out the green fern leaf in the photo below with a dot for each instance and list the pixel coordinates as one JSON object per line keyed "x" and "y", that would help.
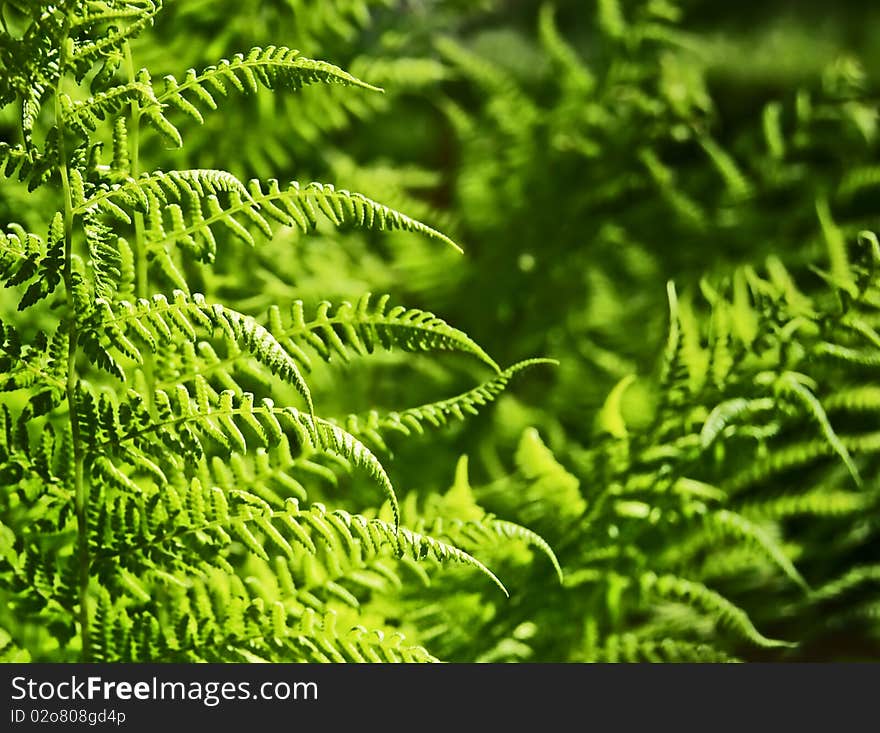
{"x": 366, "y": 325}
{"x": 793, "y": 383}
{"x": 440, "y": 413}
{"x": 670, "y": 586}
{"x": 273, "y": 67}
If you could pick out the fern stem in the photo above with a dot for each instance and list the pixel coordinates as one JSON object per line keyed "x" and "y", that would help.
{"x": 140, "y": 254}
{"x": 80, "y": 493}
{"x": 139, "y": 249}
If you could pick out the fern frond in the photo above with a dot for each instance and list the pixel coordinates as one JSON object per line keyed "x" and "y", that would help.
{"x": 27, "y": 166}
{"x": 158, "y": 320}
{"x": 847, "y": 355}
{"x": 729, "y": 410}
{"x": 576, "y": 74}
{"x": 479, "y": 70}
{"x": 437, "y": 414}
{"x": 862, "y": 398}
{"x": 374, "y": 532}
{"x": 135, "y": 521}
{"x": 298, "y": 206}
{"x": 610, "y": 418}
{"x": 793, "y": 383}
{"x": 25, "y": 258}
{"x": 212, "y": 617}
{"x": 154, "y": 190}
{"x": 671, "y": 354}
{"x": 113, "y": 24}
{"x": 109, "y": 11}
{"x": 771, "y": 124}
{"x": 670, "y": 586}
{"x": 273, "y": 67}
{"x": 105, "y": 257}
{"x": 841, "y": 271}
{"x": 402, "y": 74}
{"x": 188, "y": 424}
{"x": 368, "y": 324}
{"x": 731, "y": 523}
{"x": 632, "y": 648}
{"x": 492, "y": 529}
{"x": 819, "y": 502}
{"x": 85, "y": 115}
{"x": 20, "y": 253}
{"x": 550, "y": 482}
{"x": 734, "y": 180}
{"x": 355, "y": 645}
{"x": 853, "y": 578}
{"x": 190, "y": 201}
{"x": 798, "y": 454}
{"x": 274, "y": 473}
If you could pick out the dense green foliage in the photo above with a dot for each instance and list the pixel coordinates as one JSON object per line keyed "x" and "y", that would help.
{"x": 642, "y": 426}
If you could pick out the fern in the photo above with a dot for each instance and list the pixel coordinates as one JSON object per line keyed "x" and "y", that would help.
{"x": 437, "y": 414}
{"x": 629, "y": 648}
{"x": 152, "y": 498}
{"x": 364, "y": 326}
{"x": 708, "y": 600}
{"x": 216, "y": 444}
{"x": 272, "y": 67}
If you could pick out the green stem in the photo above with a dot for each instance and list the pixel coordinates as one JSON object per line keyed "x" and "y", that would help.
{"x": 134, "y": 133}
{"x": 80, "y": 494}
{"x": 139, "y": 250}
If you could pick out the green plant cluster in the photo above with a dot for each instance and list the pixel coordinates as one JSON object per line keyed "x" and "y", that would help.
{"x": 636, "y": 420}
